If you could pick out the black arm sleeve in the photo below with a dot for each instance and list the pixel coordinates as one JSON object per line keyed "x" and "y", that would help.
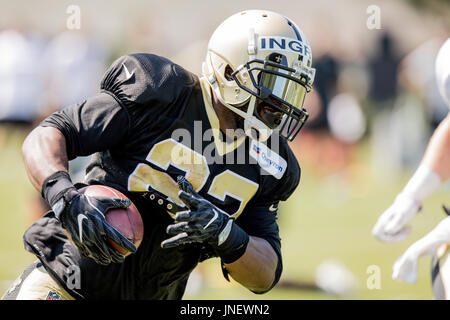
{"x": 97, "y": 124}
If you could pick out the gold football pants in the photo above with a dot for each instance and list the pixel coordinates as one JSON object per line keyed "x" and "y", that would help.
{"x": 36, "y": 284}
{"x": 440, "y": 273}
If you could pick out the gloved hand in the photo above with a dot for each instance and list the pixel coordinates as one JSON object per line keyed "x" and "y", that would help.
{"x": 405, "y": 268}
{"x": 84, "y": 220}
{"x": 205, "y": 223}
{"x": 391, "y": 225}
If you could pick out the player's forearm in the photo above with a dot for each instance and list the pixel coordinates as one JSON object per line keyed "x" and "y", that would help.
{"x": 434, "y": 168}
{"x": 256, "y": 269}
{"x": 437, "y": 155}
{"x": 44, "y": 153}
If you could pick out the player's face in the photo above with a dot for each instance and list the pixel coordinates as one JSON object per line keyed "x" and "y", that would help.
{"x": 269, "y": 114}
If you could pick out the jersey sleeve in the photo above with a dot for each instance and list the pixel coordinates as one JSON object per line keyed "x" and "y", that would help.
{"x": 135, "y": 90}
{"x": 146, "y": 85}
{"x": 94, "y": 125}
{"x": 261, "y": 222}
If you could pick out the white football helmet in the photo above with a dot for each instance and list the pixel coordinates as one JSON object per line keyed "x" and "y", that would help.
{"x": 259, "y": 65}
{"x": 442, "y": 66}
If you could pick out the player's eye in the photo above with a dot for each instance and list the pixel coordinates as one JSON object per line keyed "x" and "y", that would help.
{"x": 228, "y": 73}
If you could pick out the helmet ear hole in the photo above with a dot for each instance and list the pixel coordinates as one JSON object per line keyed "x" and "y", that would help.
{"x": 228, "y": 73}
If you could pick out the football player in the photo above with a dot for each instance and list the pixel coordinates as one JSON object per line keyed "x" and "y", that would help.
{"x": 433, "y": 170}
{"x": 196, "y": 203}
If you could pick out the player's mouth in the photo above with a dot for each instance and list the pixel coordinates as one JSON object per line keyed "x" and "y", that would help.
{"x": 270, "y": 115}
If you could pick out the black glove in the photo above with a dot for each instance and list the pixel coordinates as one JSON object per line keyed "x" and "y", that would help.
{"x": 84, "y": 219}
{"x": 204, "y": 222}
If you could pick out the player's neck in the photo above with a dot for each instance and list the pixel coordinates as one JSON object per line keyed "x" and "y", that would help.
{"x": 227, "y": 118}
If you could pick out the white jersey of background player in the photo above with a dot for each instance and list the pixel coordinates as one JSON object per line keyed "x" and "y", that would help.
{"x": 433, "y": 170}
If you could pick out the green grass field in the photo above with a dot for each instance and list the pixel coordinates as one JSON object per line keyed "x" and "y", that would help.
{"x": 324, "y": 219}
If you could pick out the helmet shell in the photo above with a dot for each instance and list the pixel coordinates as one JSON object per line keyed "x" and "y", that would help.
{"x": 248, "y": 35}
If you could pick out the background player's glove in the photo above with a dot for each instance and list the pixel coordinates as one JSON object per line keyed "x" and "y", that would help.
{"x": 391, "y": 226}
{"x": 204, "y": 222}
{"x": 405, "y": 268}
{"x": 84, "y": 219}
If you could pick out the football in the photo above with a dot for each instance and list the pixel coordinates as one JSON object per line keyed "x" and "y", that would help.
{"x": 127, "y": 221}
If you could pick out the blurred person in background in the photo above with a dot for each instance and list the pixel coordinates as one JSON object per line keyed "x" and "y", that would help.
{"x": 21, "y": 87}
{"x": 20, "y": 76}
{"x": 419, "y": 107}
{"x": 74, "y": 64}
{"x": 383, "y": 71}
{"x": 434, "y": 169}
{"x": 382, "y": 95}
{"x": 325, "y": 86}
{"x": 317, "y": 139}
{"x": 337, "y": 122}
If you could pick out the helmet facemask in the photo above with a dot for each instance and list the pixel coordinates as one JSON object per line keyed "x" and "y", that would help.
{"x": 278, "y": 89}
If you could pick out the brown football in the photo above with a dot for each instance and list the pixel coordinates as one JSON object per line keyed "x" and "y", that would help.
{"x": 127, "y": 221}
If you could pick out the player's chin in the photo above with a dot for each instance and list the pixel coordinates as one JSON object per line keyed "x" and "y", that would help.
{"x": 271, "y": 116}
{"x": 239, "y": 125}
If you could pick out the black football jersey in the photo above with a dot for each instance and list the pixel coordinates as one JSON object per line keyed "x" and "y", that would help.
{"x": 151, "y": 122}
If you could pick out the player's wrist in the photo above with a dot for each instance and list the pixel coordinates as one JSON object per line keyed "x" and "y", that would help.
{"x": 58, "y": 190}
{"x": 422, "y": 184}
{"x": 408, "y": 202}
{"x": 231, "y": 243}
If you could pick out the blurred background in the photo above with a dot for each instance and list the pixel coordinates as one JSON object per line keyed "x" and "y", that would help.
{"x": 373, "y": 109}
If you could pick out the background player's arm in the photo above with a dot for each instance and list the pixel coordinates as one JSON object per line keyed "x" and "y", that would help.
{"x": 433, "y": 170}
{"x": 255, "y": 269}
{"x": 437, "y": 155}
{"x": 437, "y": 162}
{"x": 44, "y": 153}
{"x": 437, "y": 158}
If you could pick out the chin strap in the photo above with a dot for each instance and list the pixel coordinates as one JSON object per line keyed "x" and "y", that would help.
{"x": 250, "y": 121}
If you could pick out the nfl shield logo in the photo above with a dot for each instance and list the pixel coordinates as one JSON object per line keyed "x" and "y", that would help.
{"x": 53, "y": 296}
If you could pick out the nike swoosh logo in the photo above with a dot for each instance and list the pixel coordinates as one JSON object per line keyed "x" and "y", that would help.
{"x": 80, "y": 225}
{"x": 272, "y": 208}
{"x": 212, "y": 219}
{"x": 225, "y": 233}
{"x": 128, "y": 75}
